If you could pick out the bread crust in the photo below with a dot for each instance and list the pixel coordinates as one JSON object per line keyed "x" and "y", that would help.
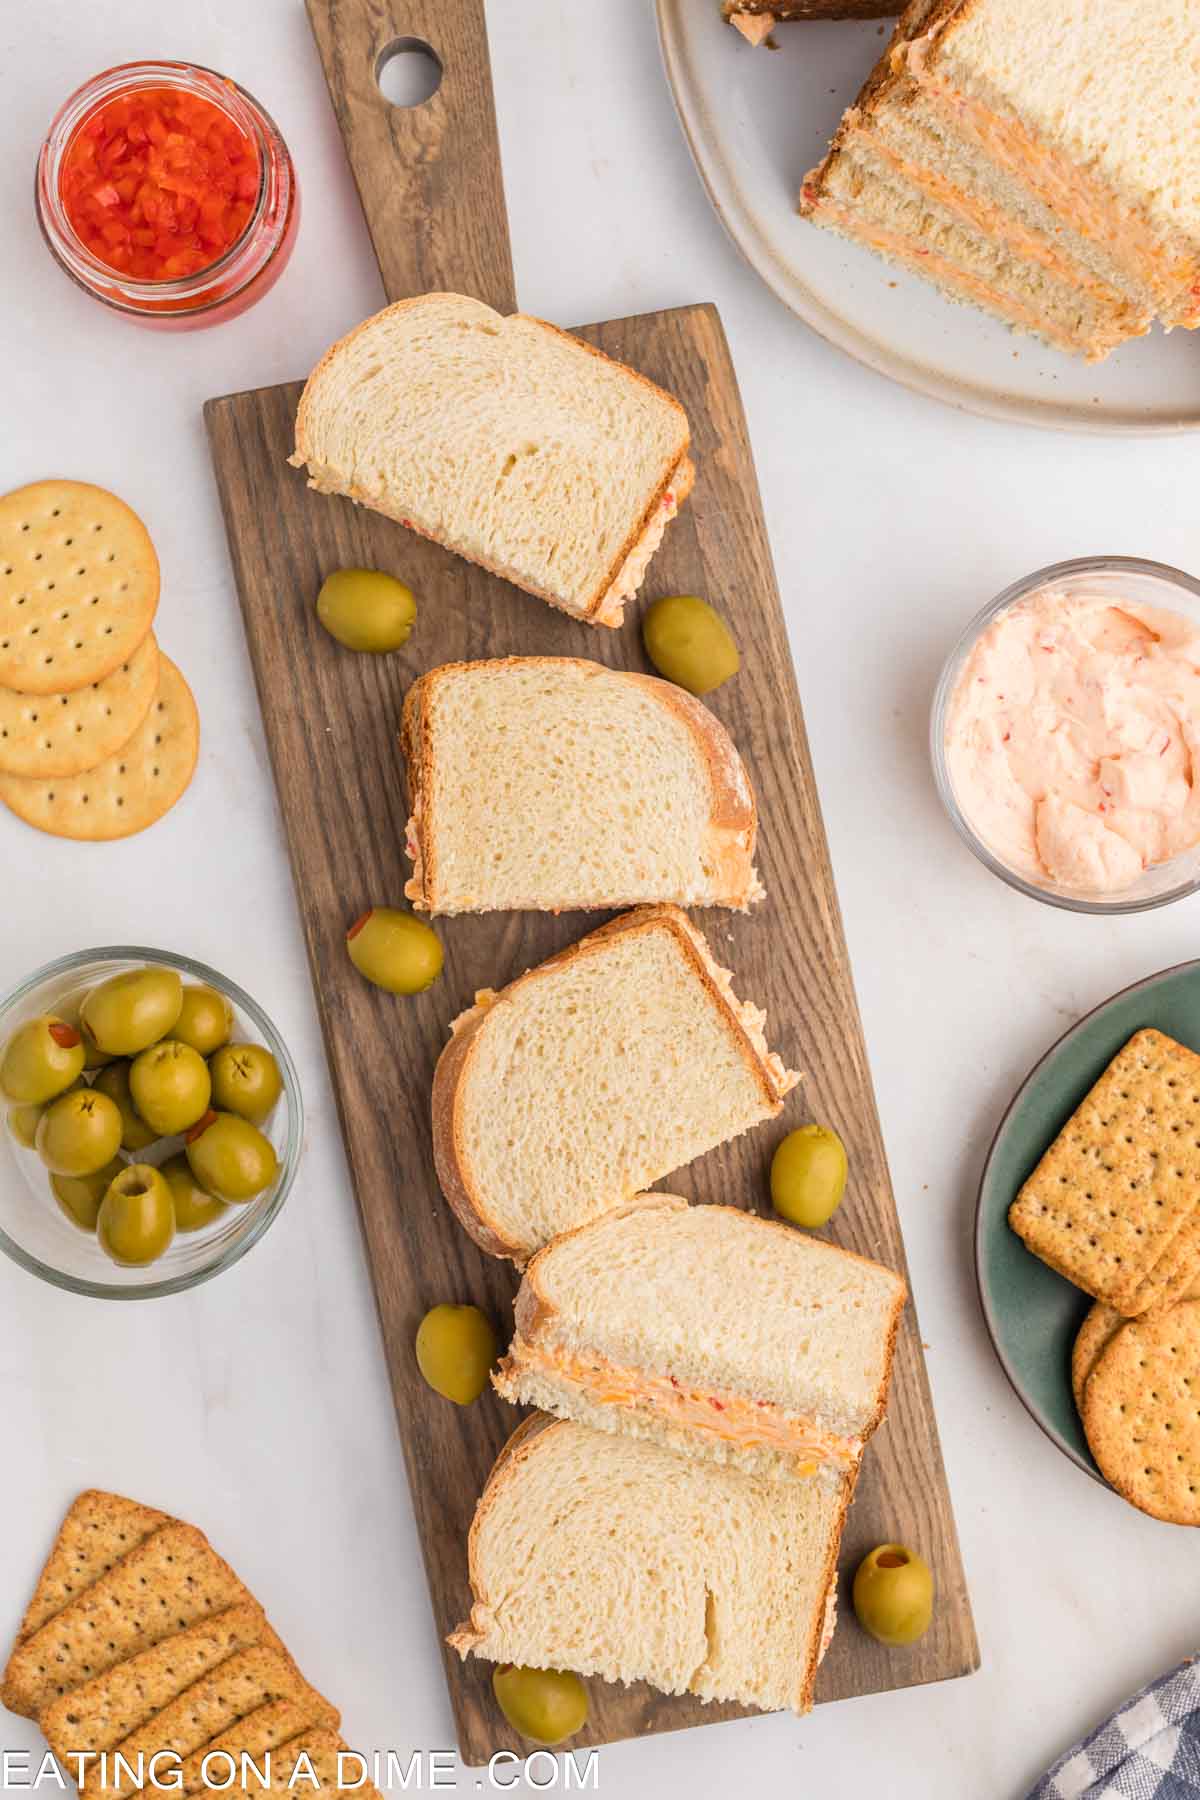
{"x": 679, "y": 469}
{"x": 453, "y": 1067}
{"x": 534, "y": 1314}
{"x": 733, "y": 815}
{"x": 523, "y": 1444}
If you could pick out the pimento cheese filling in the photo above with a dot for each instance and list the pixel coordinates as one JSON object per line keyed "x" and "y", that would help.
{"x": 733, "y": 1418}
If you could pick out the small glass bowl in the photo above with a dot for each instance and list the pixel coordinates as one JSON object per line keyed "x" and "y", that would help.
{"x": 33, "y": 1228}
{"x": 1118, "y": 577}
{"x": 239, "y": 277}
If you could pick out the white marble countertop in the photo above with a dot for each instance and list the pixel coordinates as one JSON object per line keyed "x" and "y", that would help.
{"x": 259, "y": 1406}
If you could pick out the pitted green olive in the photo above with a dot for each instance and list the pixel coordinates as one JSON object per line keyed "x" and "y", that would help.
{"x": 79, "y": 1196}
{"x": 170, "y": 1086}
{"x": 544, "y": 1705}
{"x": 129, "y": 1012}
{"x": 193, "y": 1207}
{"x": 113, "y": 1080}
{"x": 205, "y": 1019}
{"x": 689, "y": 643}
{"x": 23, "y": 1121}
{"x": 808, "y": 1175}
{"x": 136, "y": 1221}
{"x": 246, "y": 1081}
{"x": 41, "y": 1059}
{"x": 893, "y": 1594}
{"x": 366, "y": 610}
{"x": 78, "y": 1133}
{"x": 456, "y": 1348}
{"x": 394, "y": 950}
{"x": 230, "y": 1158}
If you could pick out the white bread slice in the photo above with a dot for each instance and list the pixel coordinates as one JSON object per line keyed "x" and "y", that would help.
{"x": 709, "y": 1329}
{"x": 548, "y": 783}
{"x": 1092, "y": 104}
{"x": 614, "y": 1557}
{"x": 508, "y": 441}
{"x": 591, "y": 1077}
{"x": 861, "y": 196}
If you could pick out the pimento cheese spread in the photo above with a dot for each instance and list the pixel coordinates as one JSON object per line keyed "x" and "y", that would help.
{"x": 1073, "y": 737}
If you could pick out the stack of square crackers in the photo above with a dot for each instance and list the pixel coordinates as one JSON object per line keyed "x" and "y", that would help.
{"x": 99, "y": 732}
{"x": 1114, "y": 1205}
{"x": 140, "y": 1640}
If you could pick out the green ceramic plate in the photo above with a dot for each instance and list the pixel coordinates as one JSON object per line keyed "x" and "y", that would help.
{"x": 1032, "y": 1313}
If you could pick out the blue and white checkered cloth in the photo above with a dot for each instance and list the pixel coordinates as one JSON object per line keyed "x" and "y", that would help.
{"x": 1150, "y": 1750}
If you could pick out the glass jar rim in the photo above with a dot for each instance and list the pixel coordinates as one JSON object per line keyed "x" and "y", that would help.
{"x": 222, "y": 90}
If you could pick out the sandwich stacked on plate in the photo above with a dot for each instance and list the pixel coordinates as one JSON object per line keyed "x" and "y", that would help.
{"x": 1039, "y": 161}
{"x": 756, "y": 19}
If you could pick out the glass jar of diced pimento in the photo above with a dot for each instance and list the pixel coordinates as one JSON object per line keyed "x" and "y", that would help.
{"x": 166, "y": 191}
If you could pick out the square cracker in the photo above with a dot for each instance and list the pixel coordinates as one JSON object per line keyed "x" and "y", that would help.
{"x": 97, "y": 1532}
{"x": 247, "y": 1681}
{"x": 1122, "y": 1178}
{"x": 322, "y": 1749}
{"x": 260, "y": 1733}
{"x": 1140, "y": 1415}
{"x": 105, "y": 1710}
{"x": 171, "y": 1580}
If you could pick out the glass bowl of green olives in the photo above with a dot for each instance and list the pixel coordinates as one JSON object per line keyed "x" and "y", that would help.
{"x": 152, "y": 1123}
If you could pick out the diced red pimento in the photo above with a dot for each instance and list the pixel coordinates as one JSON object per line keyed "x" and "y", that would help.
{"x": 159, "y": 183}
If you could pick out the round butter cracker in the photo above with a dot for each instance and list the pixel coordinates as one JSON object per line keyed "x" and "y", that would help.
{"x": 78, "y": 586}
{"x": 64, "y": 734}
{"x": 1092, "y": 1339}
{"x": 1141, "y": 1414}
{"x": 127, "y": 791}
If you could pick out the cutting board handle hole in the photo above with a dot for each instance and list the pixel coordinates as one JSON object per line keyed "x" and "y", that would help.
{"x": 409, "y": 71}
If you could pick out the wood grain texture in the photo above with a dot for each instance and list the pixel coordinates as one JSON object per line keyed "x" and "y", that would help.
{"x": 428, "y": 176}
{"x": 331, "y": 721}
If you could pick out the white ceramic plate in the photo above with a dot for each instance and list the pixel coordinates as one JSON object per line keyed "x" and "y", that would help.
{"x": 756, "y": 120}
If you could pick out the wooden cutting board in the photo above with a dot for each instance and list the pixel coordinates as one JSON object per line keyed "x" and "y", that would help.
{"x": 430, "y": 185}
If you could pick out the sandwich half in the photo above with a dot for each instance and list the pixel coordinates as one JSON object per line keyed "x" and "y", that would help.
{"x": 512, "y": 443}
{"x": 711, "y": 1330}
{"x": 615, "y": 1557}
{"x": 914, "y": 174}
{"x": 591, "y": 1077}
{"x": 1091, "y": 104}
{"x": 550, "y": 783}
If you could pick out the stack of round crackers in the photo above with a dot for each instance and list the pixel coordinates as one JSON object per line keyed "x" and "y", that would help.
{"x": 1137, "y": 1387}
{"x": 99, "y": 732}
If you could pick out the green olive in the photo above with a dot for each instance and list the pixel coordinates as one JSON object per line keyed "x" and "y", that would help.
{"x": 205, "y": 1019}
{"x": 23, "y": 1121}
{"x": 456, "y": 1348}
{"x": 41, "y": 1059}
{"x": 893, "y": 1594}
{"x": 230, "y": 1157}
{"x": 366, "y": 610}
{"x": 689, "y": 643}
{"x": 246, "y": 1081}
{"x": 394, "y": 950}
{"x": 193, "y": 1207}
{"x": 79, "y": 1196}
{"x": 113, "y": 1080}
{"x": 136, "y": 1221}
{"x": 544, "y": 1705}
{"x": 79, "y": 1132}
{"x": 808, "y": 1175}
{"x": 170, "y": 1086}
{"x": 129, "y": 1012}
